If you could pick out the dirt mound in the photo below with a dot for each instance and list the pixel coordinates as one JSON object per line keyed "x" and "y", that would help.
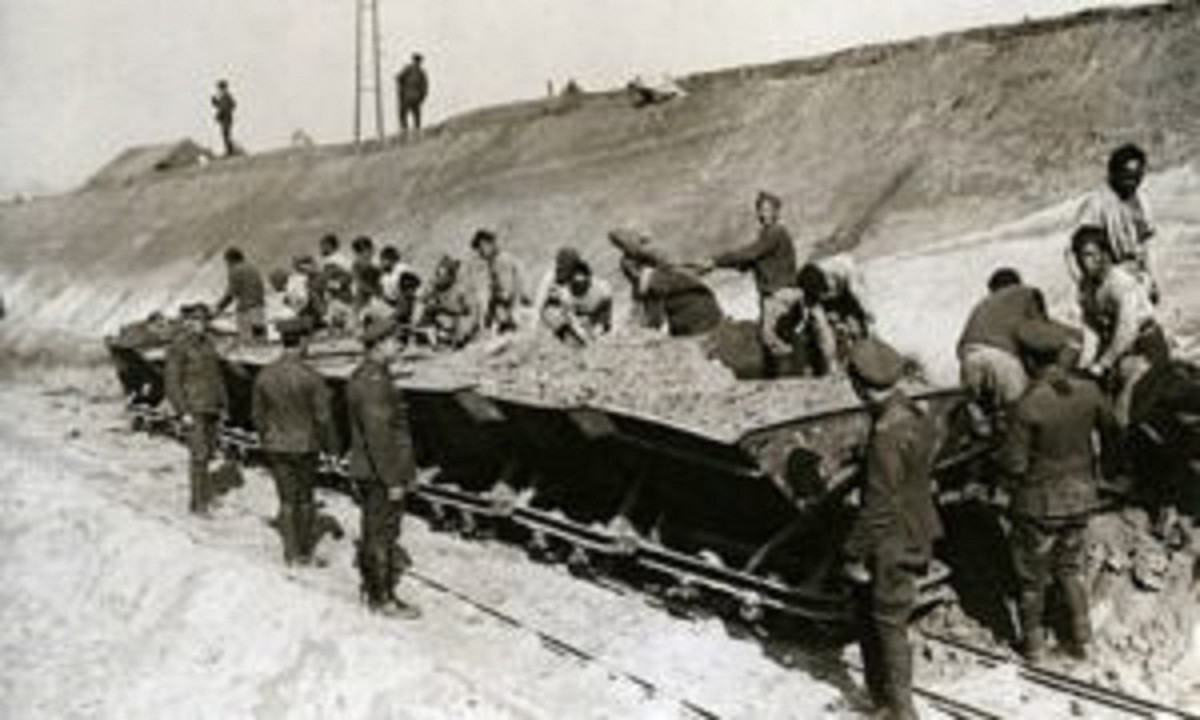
{"x": 640, "y": 373}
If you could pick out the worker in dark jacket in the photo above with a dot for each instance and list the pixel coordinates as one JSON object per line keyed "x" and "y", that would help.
{"x": 772, "y": 259}
{"x": 412, "y": 86}
{"x": 663, "y": 293}
{"x": 891, "y": 541}
{"x": 990, "y": 364}
{"x": 1050, "y": 459}
{"x": 246, "y": 292}
{"x": 382, "y": 464}
{"x": 196, "y": 391}
{"x": 294, "y": 419}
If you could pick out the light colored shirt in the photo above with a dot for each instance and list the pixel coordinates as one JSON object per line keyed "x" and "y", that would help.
{"x": 1117, "y": 310}
{"x": 1128, "y": 223}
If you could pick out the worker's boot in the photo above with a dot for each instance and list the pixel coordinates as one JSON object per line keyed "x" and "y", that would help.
{"x": 198, "y": 500}
{"x": 287, "y": 533}
{"x": 1033, "y": 641}
{"x": 898, "y": 671}
{"x": 1075, "y": 597}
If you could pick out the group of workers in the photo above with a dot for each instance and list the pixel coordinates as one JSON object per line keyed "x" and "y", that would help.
{"x": 1030, "y": 389}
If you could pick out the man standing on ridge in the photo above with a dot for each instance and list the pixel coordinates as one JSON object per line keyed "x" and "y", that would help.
{"x": 224, "y": 104}
{"x": 196, "y": 392}
{"x": 772, "y": 259}
{"x": 294, "y": 419}
{"x": 412, "y": 86}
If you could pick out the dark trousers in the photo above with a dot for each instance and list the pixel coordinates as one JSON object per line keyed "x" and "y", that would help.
{"x": 201, "y": 438}
{"x": 380, "y": 531}
{"x": 295, "y": 475}
{"x": 1045, "y": 552}
{"x": 227, "y": 136}
{"x": 884, "y": 615}
{"x": 413, "y": 110}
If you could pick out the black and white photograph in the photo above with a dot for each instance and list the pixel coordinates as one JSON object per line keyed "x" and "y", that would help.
{"x": 590, "y": 359}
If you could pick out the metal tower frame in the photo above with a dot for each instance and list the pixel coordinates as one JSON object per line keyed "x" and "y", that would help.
{"x": 367, "y": 59}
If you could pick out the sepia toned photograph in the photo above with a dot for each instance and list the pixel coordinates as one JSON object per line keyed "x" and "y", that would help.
{"x": 558, "y": 359}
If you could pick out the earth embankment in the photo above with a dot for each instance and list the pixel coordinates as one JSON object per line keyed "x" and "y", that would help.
{"x": 963, "y": 133}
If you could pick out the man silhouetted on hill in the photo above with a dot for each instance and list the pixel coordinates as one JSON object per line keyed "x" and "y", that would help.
{"x": 412, "y": 86}
{"x": 224, "y": 105}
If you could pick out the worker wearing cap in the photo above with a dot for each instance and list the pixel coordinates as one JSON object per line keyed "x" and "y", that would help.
{"x": 662, "y": 292}
{"x": 294, "y": 420}
{"x": 1050, "y": 459}
{"x": 195, "y": 390}
{"x": 503, "y": 283}
{"x": 891, "y": 541}
{"x": 772, "y": 260}
{"x": 382, "y": 465}
{"x": 412, "y": 87}
{"x": 448, "y": 307}
{"x": 579, "y": 310}
{"x": 988, "y": 353}
{"x": 246, "y": 292}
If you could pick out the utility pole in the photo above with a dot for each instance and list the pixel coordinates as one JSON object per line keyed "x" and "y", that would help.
{"x": 368, "y": 74}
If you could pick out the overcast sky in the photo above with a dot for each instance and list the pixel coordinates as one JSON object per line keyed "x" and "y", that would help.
{"x": 83, "y": 79}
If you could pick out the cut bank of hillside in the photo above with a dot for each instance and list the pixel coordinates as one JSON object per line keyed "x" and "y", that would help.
{"x": 997, "y": 124}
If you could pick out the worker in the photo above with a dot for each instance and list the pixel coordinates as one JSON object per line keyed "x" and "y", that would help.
{"x": 276, "y": 307}
{"x": 579, "y": 310}
{"x": 302, "y": 293}
{"x": 663, "y": 293}
{"x": 502, "y": 283}
{"x": 1119, "y": 209}
{"x": 412, "y": 87}
{"x": 772, "y": 259}
{"x": 799, "y": 336}
{"x": 195, "y": 390}
{"x": 407, "y": 305}
{"x": 836, "y": 286}
{"x": 891, "y": 541}
{"x": 989, "y": 357}
{"x": 1048, "y": 456}
{"x": 383, "y": 467}
{"x": 363, "y": 258}
{"x": 224, "y": 105}
{"x": 1117, "y": 307}
{"x": 391, "y": 269}
{"x": 370, "y": 298}
{"x": 336, "y": 283}
{"x": 449, "y": 309}
{"x": 245, "y": 291}
{"x": 294, "y": 418}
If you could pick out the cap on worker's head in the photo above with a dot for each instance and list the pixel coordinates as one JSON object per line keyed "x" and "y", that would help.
{"x": 222, "y": 83}
{"x": 768, "y": 198}
{"x": 278, "y": 277}
{"x": 565, "y": 262}
{"x": 376, "y": 329}
{"x": 481, "y": 236}
{"x": 1046, "y": 341}
{"x": 418, "y": 57}
{"x": 876, "y": 364}
{"x": 293, "y": 330}
{"x": 196, "y": 310}
{"x": 636, "y": 245}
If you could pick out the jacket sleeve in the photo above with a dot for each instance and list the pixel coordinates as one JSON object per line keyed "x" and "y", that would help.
{"x": 747, "y": 255}
{"x": 323, "y": 416}
{"x": 173, "y": 379}
{"x": 883, "y": 475}
{"x": 376, "y": 423}
{"x": 258, "y": 406}
{"x": 1014, "y": 453}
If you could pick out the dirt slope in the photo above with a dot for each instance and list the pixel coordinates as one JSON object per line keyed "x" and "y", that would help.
{"x": 995, "y": 124}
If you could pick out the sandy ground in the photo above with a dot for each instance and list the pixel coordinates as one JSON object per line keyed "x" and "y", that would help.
{"x": 115, "y": 603}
